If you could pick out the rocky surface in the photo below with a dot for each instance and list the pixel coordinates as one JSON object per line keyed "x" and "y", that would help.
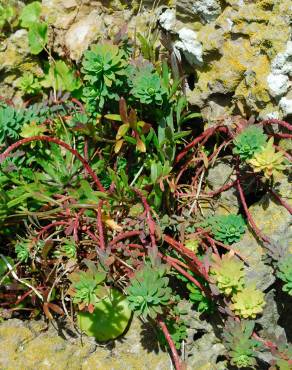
{"x": 275, "y": 222}
{"x": 239, "y": 52}
{"x": 31, "y": 345}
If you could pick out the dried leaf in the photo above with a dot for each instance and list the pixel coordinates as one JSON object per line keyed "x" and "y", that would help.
{"x": 123, "y": 110}
{"x": 111, "y": 223}
{"x": 140, "y": 145}
{"x": 123, "y": 129}
{"x": 47, "y": 311}
{"x": 205, "y": 159}
{"x": 118, "y": 146}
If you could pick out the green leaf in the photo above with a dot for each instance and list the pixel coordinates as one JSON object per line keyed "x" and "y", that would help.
{"x": 61, "y": 77}
{"x": 190, "y": 116}
{"x": 37, "y": 37}
{"x": 30, "y": 14}
{"x": 113, "y": 117}
{"x": 32, "y": 129}
{"x": 123, "y": 129}
{"x": 109, "y": 319}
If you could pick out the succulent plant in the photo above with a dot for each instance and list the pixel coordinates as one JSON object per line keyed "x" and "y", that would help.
{"x": 239, "y": 343}
{"x": 147, "y": 86}
{"x": 248, "y": 302}
{"x": 285, "y": 273}
{"x": 268, "y": 160}
{"x": 103, "y": 68}
{"x": 67, "y": 249}
{"x": 227, "y": 228}
{"x": 149, "y": 291}
{"x": 249, "y": 142}
{"x": 86, "y": 288}
{"x": 22, "y": 250}
{"x": 29, "y": 84}
{"x": 203, "y": 304}
{"x": 228, "y": 273}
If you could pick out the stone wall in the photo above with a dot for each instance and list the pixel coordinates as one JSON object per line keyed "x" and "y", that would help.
{"x": 238, "y": 51}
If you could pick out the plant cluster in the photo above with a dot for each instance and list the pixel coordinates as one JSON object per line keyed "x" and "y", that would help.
{"x": 242, "y": 348}
{"x": 102, "y": 193}
{"x": 252, "y": 146}
{"x": 227, "y": 228}
{"x": 149, "y": 291}
{"x": 228, "y": 273}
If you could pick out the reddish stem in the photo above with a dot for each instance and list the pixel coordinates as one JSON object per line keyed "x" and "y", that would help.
{"x": 257, "y": 231}
{"x": 48, "y": 227}
{"x": 287, "y": 155}
{"x": 282, "y": 201}
{"x": 271, "y": 346}
{"x": 124, "y": 235}
{"x": 221, "y": 190}
{"x": 150, "y": 221}
{"x": 278, "y": 122}
{"x": 76, "y": 225}
{"x": 186, "y": 274}
{"x": 175, "y": 356}
{"x": 189, "y": 254}
{"x": 283, "y": 136}
{"x": 211, "y": 240}
{"x": 61, "y": 143}
{"x": 100, "y": 226}
{"x": 207, "y": 133}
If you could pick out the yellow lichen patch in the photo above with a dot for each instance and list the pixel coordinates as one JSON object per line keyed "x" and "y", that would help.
{"x": 12, "y": 337}
{"x": 225, "y": 74}
{"x": 51, "y": 353}
{"x": 210, "y": 39}
{"x": 253, "y": 87}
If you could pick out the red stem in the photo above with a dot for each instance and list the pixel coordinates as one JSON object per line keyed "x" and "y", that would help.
{"x": 46, "y": 228}
{"x": 100, "y": 226}
{"x": 175, "y": 356}
{"x": 150, "y": 221}
{"x": 189, "y": 254}
{"x": 207, "y": 133}
{"x": 248, "y": 215}
{"x": 211, "y": 240}
{"x": 278, "y": 122}
{"x": 222, "y": 189}
{"x": 61, "y": 143}
{"x": 186, "y": 274}
{"x": 282, "y": 201}
{"x": 124, "y": 235}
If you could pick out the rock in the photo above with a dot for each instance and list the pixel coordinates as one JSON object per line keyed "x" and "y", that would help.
{"x": 275, "y": 222}
{"x": 218, "y": 175}
{"x": 246, "y": 59}
{"x": 203, "y": 352}
{"x": 278, "y": 84}
{"x": 15, "y": 59}
{"x": 81, "y": 34}
{"x": 30, "y": 346}
{"x": 205, "y": 10}
{"x": 282, "y": 63}
{"x": 189, "y": 46}
{"x": 286, "y": 106}
{"x": 167, "y": 20}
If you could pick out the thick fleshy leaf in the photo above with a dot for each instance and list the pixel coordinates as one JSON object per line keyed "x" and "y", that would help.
{"x": 109, "y": 319}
